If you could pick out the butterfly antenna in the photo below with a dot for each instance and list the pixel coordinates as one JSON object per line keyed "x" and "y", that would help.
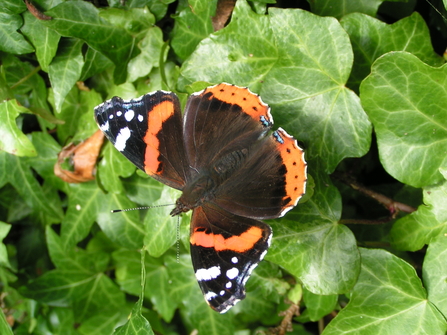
{"x": 178, "y": 239}
{"x": 138, "y": 208}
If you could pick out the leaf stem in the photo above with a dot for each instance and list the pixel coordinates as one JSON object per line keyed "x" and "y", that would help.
{"x": 29, "y": 75}
{"x": 394, "y": 207}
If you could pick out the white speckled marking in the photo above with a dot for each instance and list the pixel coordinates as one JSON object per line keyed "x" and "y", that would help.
{"x": 121, "y": 139}
{"x": 208, "y": 274}
{"x": 234, "y": 260}
{"x": 129, "y": 115}
{"x": 232, "y": 273}
{"x": 210, "y": 295}
{"x": 105, "y": 126}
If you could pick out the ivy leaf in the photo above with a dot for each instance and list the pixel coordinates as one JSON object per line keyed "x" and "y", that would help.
{"x": 159, "y": 225}
{"x": 371, "y": 38}
{"x": 313, "y": 246}
{"x": 65, "y": 69}
{"x": 303, "y": 76}
{"x": 11, "y": 40}
{"x": 81, "y": 19}
{"x": 387, "y": 299}
{"x": 4, "y": 230}
{"x": 136, "y": 324}
{"x": 415, "y": 230}
{"x": 341, "y": 8}
{"x": 12, "y": 140}
{"x": 89, "y": 292}
{"x": 433, "y": 272}
{"x": 113, "y": 164}
{"x": 406, "y": 101}
{"x": 318, "y": 306}
{"x": 158, "y": 285}
{"x": 192, "y": 24}
{"x": 44, "y": 39}
{"x": 43, "y": 201}
{"x": 4, "y": 326}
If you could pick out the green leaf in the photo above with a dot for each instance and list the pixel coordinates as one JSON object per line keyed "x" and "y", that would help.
{"x": 12, "y": 6}
{"x": 11, "y": 40}
{"x": 159, "y": 225}
{"x": 4, "y": 230}
{"x": 75, "y": 283}
{"x": 81, "y": 19}
{"x": 33, "y": 194}
{"x": 65, "y": 69}
{"x": 372, "y": 38}
{"x": 157, "y": 287}
{"x": 83, "y": 202}
{"x": 415, "y": 230}
{"x": 387, "y": 299}
{"x": 303, "y": 76}
{"x": 433, "y": 272}
{"x": 192, "y": 24}
{"x": 237, "y": 57}
{"x": 318, "y": 306}
{"x": 151, "y": 47}
{"x": 124, "y": 228}
{"x": 5, "y": 329}
{"x": 12, "y": 140}
{"x": 136, "y": 324}
{"x": 44, "y": 39}
{"x": 406, "y": 101}
{"x": 341, "y": 8}
{"x": 113, "y": 165}
{"x": 311, "y": 244}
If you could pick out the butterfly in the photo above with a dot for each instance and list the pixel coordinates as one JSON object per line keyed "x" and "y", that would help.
{"x": 232, "y": 171}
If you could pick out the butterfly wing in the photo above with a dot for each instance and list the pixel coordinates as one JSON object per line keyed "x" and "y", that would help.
{"x": 222, "y": 119}
{"x": 225, "y": 248}
{"x": 258, "y": 176}
{"x": 270, "y": 181}
{"x": 148, "y": 131}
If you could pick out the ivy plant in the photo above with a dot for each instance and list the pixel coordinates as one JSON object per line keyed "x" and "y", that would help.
{"x": 361, "y": 84}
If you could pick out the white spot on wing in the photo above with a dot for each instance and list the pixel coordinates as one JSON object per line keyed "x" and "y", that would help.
{"x": 208, "y": 274}
{"x": 232, "y": 273}
{"x": 229, "y": 284}
{"x": 222, "y": 292}
{"x": 121, "y": 138}
{"x": 129, "y": 115}
{"x": 234, "y": 260}
{"x": 140, "y": 118}
{"x": 119, "y": 113}
{"x": 105, "y": 126}
{"x": 210, "y": 295}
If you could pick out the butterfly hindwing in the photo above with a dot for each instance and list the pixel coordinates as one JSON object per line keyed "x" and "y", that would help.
{"x": 270, "y": 181}
{"x": 225, "y": 248}
{"x": 148, "y": 131}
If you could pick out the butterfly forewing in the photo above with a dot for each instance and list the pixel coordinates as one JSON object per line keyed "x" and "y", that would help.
{"x": 148, "y": 131}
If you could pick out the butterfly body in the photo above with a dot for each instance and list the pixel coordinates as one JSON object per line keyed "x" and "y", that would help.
{"x": 231, "y": 172}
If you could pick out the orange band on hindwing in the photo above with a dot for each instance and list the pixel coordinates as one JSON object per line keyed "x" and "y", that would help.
{"x": 237, "y": 243}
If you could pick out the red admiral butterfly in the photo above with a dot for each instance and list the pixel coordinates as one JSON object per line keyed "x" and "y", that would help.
{"x": 231, "y": 172}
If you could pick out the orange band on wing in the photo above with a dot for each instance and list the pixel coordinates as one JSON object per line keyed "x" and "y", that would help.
{"x": 250, "y": 103}
{"x": 240, "y": 243}
{"x": 159, "y": 114}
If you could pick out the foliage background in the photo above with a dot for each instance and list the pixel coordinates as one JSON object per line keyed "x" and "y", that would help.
{"x": 349, "y": 79}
